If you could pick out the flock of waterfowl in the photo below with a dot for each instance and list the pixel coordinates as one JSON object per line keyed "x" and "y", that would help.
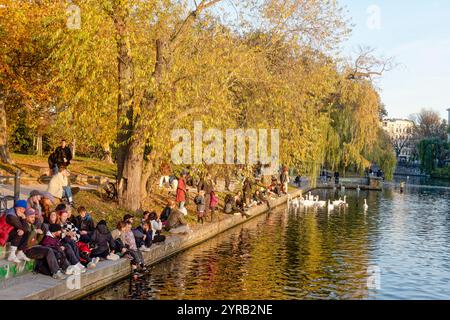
{"x": 314, "y": 202}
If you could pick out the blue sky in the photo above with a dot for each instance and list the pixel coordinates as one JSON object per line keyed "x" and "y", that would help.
{"x": 417, "y": 34}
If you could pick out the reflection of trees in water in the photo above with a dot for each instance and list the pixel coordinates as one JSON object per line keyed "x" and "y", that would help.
{"x": 276, "y": 256}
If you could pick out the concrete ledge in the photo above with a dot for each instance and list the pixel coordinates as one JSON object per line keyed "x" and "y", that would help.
{"x": 40, "y": 287}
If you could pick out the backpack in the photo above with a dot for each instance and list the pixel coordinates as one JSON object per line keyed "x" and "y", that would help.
{"x": 5, "y": 229}
{"x": 85, "y": 252}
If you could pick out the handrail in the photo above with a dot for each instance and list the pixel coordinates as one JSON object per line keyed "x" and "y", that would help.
{"x": 16, "y": 184}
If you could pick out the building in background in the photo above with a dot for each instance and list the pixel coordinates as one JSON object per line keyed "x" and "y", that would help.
{"x": 401, "y": 133}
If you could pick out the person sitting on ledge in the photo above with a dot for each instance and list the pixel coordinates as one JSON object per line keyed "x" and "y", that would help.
{"x": 176, "y": 222}
{"x": 234, "y": 204}
{"x": 166, "y": 212}
{"x": 52, "y": 240}
{"x": 34, "y": 202}
{"x": 103, "y": 242}
{"x": 143, "y": 233}
{"x": 257, "y": 198}
{"x": 121, "y": 249}
{"x": 156, "y": 226}
{"x": 16, "y": 217}
{"x": 129, "y": 242}
{"x": 85, "y": 224}
{"x": 45, "y": 257}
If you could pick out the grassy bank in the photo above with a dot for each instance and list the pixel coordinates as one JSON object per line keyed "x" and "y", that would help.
{"x": 32, "y": 165}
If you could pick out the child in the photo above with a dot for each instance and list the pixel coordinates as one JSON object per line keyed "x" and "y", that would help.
{"x": 200, "y": 202}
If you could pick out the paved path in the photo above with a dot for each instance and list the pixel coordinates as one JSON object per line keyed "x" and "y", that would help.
{"x": 25, "y": 189}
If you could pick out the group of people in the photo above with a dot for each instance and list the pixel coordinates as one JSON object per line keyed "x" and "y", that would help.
{"x": 63, "y": 243}
{"x": 206, "y": 199}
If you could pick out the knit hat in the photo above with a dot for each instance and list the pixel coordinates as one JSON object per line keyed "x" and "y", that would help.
{"x": 54, "y": 227}
{"x": 30, "y": 212}
{"x": 35, "y": 193}
{"x": 21, "y": 204}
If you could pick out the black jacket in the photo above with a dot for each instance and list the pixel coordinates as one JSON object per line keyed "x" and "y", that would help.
{"x": 101, "y": 238}
{"x": 165, "y": 213}
{"x": 60, "y": 154}
{"x": 86, "y": 224}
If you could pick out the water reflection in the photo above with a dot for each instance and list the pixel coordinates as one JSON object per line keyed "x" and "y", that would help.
{"x": 315, "y": 255}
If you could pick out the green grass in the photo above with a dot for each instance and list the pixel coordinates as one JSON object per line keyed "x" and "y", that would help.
{"x": 31, "y": 165}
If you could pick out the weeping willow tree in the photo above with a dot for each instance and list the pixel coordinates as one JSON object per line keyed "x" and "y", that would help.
{"x": 354, "y": 130}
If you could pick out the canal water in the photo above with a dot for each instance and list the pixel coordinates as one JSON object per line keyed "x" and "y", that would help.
{"x": 398, "y": 249}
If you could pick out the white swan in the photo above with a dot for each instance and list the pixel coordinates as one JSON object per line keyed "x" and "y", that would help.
{"x": 295, "y": 203}
{"x": 320, "y": 204}
{"x": 365, "y": 205}
{"x": 358, "y": 188}
{"x": 308, "y": 203}
{"x": 330, "y": 206}
{"x": 337, "y": 202}
{"x": 345, "y": 204}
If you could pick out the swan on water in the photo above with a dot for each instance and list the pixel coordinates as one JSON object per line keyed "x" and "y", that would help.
{"x": 345, "y": 204}
{"x": 337, "y": 202}
{"x": 365, "y": 205}
{"x": 330, "y": 206}
{"x": 295, "y": 203}
{"x": 320, "y": 204}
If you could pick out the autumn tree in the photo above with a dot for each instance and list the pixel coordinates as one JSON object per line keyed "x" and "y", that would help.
{"x": 26, "y": 71}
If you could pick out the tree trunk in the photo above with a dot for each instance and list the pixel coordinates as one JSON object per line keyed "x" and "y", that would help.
{"x": 73, "y": 147}
{"x": 130, "y": 154}
{"x": 39, "y": 145}
{"x": 129, "y": 190}
{"x": 4, "y": 152}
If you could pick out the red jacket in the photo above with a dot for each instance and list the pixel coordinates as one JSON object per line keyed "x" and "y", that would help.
{"x": 5, "y": 229}
{"x": 181, "y": 190}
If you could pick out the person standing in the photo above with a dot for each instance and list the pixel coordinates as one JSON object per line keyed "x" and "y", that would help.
{"x": 181, "y": 190}
{"x": 284, "y": 179}
{"x": 208, "y": 187}
{"x": 200, "y": 202}
{"x": 61, "y": 157}
{"x": 247, "y": 190}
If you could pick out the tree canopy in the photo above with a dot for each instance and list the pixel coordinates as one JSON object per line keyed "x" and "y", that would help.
{"x": 135, "y": 70}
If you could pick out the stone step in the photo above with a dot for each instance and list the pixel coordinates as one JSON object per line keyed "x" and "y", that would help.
{"x": 10, "y": 270}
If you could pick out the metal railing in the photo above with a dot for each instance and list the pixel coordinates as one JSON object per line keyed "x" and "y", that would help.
{"x": 4, "y": 199}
